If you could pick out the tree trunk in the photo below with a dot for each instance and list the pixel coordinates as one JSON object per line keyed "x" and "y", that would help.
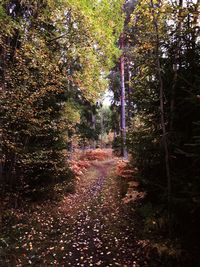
{"x": 102, "y": 129}
{"x": 175, "y": 67}
{"x": 94, "y": 128}
{"x": 162, "y": 108}
{"x": 129, "y": 95}
{"x": 123, "y": 112}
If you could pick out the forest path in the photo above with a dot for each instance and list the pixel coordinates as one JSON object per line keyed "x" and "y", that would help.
{"x": 101, "y": 234}
{"x": 89, "y": 228}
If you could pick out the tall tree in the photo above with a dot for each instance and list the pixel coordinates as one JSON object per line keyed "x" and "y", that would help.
{"x": 163, "y": 137}
{"x": 123, "y": 111}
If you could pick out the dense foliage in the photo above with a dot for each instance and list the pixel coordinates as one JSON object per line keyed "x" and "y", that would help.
{"x": 55, "y": 56}
{"x": 162, "y": 94}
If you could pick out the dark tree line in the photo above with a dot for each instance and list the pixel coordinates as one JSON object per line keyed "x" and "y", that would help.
{"x": 162, "y": 77}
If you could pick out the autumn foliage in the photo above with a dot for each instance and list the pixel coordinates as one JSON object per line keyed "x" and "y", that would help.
{"x": 128, "y": 183}
{"x": 79, "y": 167}
{"x": 124, "y": 170}
{"x": 97, "y": 154}
{"x": 82, "y": 160}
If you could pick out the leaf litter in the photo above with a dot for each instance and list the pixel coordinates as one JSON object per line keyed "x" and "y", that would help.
{"x": 88, "y": 228}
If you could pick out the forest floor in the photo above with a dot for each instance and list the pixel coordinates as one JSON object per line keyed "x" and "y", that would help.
{"x": 91, "y": 227}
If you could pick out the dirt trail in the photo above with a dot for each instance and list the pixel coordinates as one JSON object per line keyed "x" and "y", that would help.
{"x": 89, "y": 185}
{"x": 88, "y": 228}
{"x": 100, "y": 234}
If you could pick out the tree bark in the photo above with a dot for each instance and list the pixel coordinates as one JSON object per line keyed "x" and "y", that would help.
{"x": 175, "y": 67}
{"x": 129, "y": 95}
{"x": 162, "y": 108}
{"x": 123, "y": 111}
{"x": 94, "y": 128}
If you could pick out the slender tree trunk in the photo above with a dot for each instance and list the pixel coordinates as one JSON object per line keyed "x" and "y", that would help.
{"x": 123, "y": 112}
{"x": 2, "y": 85}
{"x": 102, "y": 129}
{"x": 94, "y": 128}
{"x": 195, "y": 24}
{"x": 162, "y": 108}
{"x": 175, "y": 67}
{"x": 129, "y": 94}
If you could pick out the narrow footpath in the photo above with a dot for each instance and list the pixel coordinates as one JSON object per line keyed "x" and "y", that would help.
{"x": 100, "y": 234}
{"x": 88, "y": 228}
